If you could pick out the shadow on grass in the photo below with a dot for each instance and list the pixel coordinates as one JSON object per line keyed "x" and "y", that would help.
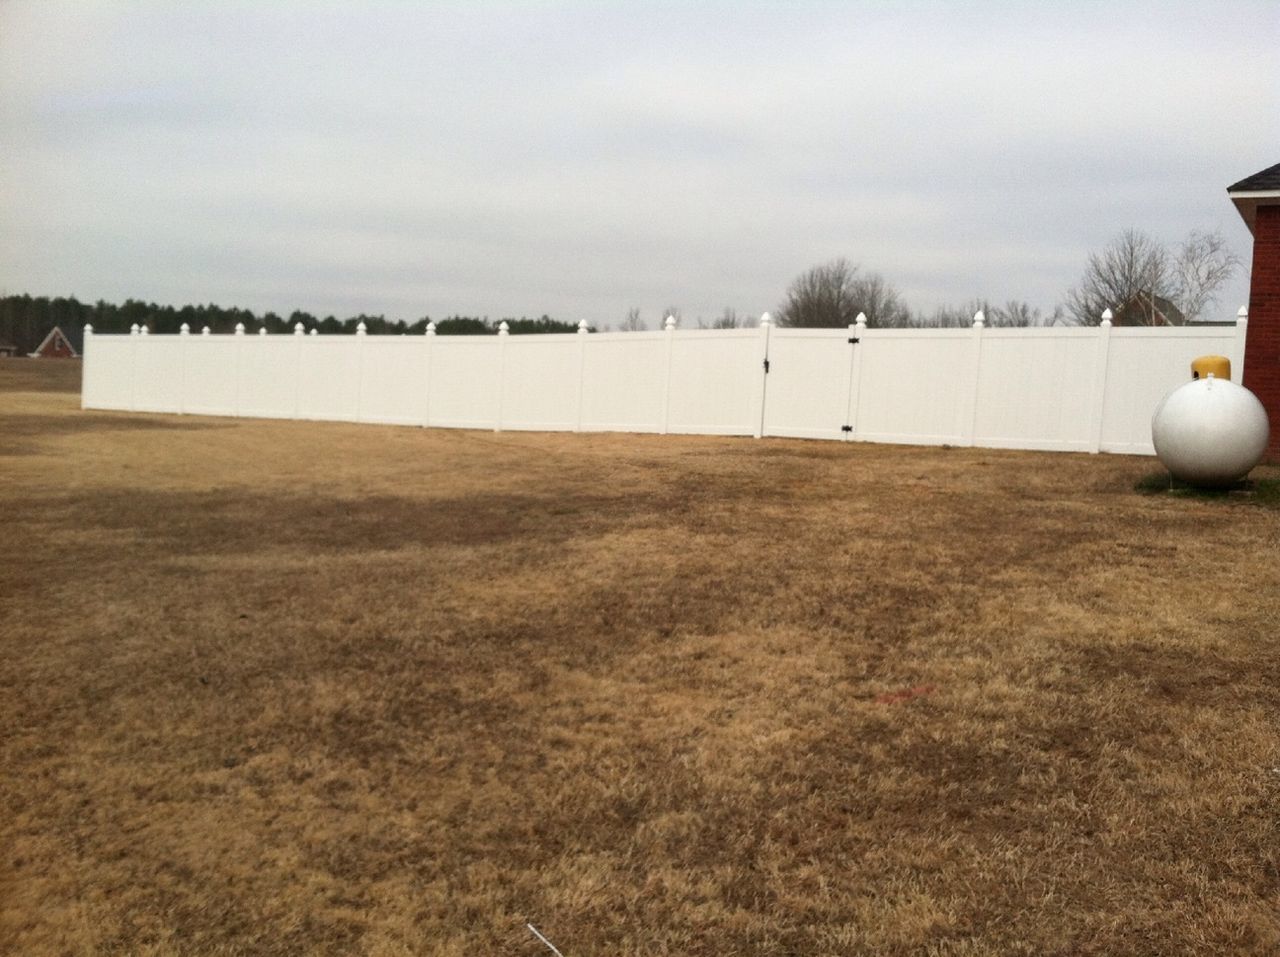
{"x": 240, "y": 523}
{"x": 20, "y": 433}
{"x": 1263, "y": 492}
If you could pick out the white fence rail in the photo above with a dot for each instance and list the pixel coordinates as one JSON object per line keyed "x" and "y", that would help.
{"x": 1072, "y": 389}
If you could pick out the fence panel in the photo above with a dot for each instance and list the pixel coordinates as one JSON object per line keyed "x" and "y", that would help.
{"x": 159, "y": 365}
{"x": 540, "y": 382}
{"x": 107, "y": 381}
{"x": 807, "y": 388}
{"x": 715, "y": 381}
{"x": 329, "y": 378}
{"x": 464, "y": 382}
{"x": 269, "y": 376}
{"x": 913, "y": 385}
{"x": 210, "y": 373}
{"x": 1035, "y": 389}
{"x": 1142, "y": 369}
{"x": 392, "y": 379}
{"x": 624, "y": 381}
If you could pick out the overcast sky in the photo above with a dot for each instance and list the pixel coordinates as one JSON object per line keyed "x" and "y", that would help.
{"x": 579, "y": 159}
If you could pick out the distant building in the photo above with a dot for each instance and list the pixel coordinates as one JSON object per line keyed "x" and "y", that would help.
{"x": 55, "y": 346}
{"x": 1146, "y": 309}
{"x": 7, "y": 349}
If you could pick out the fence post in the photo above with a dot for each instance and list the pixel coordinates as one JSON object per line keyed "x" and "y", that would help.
{"x": 1242, "y": 330}
{"x": 853, "y": 401}
{"x": 361, "y": 331}
{"x": 298, "y": 333}
{"x": 582, "y": 368}
{"x": 504, "y": 331}
{"x": 971, "y": 412}
{"x": 133, "y": 368}
{"x": 766, "y": 322}
{"x": 239, "y": 363}
{"x": 184, "y": 334}
{"x": 426, "y": 393}
{"x": 84, "y": 362}
{"x": 669, "y": 327}
{"x": 1102, "y": 356}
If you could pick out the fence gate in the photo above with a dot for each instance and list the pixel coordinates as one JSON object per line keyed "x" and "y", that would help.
{"x": 810, "y": 383}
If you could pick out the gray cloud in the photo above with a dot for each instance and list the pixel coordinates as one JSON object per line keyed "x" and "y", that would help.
{"x": 581, "y": 158}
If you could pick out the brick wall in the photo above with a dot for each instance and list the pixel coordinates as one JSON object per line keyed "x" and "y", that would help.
{"x": 1262, "y": 344}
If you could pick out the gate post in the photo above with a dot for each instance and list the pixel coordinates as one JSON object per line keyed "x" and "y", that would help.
{"x": 766, "y": 323}
{"x": 1099, "y": 399}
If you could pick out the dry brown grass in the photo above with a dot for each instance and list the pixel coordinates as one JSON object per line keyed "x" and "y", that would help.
{"x": 282, "y": 688}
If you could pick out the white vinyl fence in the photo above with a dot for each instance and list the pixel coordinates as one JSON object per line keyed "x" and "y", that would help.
{"x": 1072, "y": 389}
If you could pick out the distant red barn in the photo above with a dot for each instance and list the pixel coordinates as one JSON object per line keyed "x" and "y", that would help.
{"x": 55, "y": 346}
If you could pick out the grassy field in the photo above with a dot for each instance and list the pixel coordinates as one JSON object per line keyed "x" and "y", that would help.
{"x": 287, "y": 688}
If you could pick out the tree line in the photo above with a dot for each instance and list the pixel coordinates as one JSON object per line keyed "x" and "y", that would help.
{"x": 1152, "y": 282}
{"x": 25, "y": 320}
{"x": 1148, "y": 279}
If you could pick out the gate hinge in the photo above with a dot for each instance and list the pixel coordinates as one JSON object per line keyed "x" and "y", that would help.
{"x": 854, "y": 340}
{"x": 846, "y": 428}
{"x": 766, "y": 366}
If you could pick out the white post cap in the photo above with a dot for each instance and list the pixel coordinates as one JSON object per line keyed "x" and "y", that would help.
{"x": 1242, "y": 314}
{"x": 361, "y": 328}
{"x": 670, "y": 323}
{"x": 1107, "y": 316}
{"x": 583, "y": 328}
{"x": 503, "y": 328}
{"x": 431, "y": 328}
{"x": 239, "y": 328}
{"x": 206, "y": 331}
{"x": 861, "y": 319}
{"x": 298, "y": 330}
{"x": 979, "y": 319}
{"x": 766, "y": 319}
{"x": 144, "y": 331}
{"x": 315, "y": 332}
{"x": 184, "y": 329}
{"x": 133, "y": 329}
{"x": 88, "y": 328}
{"x": 262, "y": 331}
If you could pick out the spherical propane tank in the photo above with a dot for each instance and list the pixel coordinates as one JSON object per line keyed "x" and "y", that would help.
{"x": 1210, "y": 432}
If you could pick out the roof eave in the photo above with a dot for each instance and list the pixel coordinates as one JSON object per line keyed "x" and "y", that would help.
{"x": 1247, "y": 202}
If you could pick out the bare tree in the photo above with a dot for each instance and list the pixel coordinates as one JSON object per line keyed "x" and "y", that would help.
{"x": 729, "y": 319}
{"x": 832, "y": 295}
{"x": 1014, "y": 312}
{"x": 953, "y": 317}
{"x": 632, "y": 322}
{"x": 1200, "y": 267}
{"x": 879, "y": 300}
{"x": 1134, "y": 271}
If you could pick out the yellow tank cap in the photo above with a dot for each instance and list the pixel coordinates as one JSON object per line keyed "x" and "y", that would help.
{"x": 1217, "y": 366}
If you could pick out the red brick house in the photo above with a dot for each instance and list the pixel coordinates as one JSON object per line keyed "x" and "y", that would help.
{"x": 1257, "y": 198}
{"x": 55, "y": 346}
